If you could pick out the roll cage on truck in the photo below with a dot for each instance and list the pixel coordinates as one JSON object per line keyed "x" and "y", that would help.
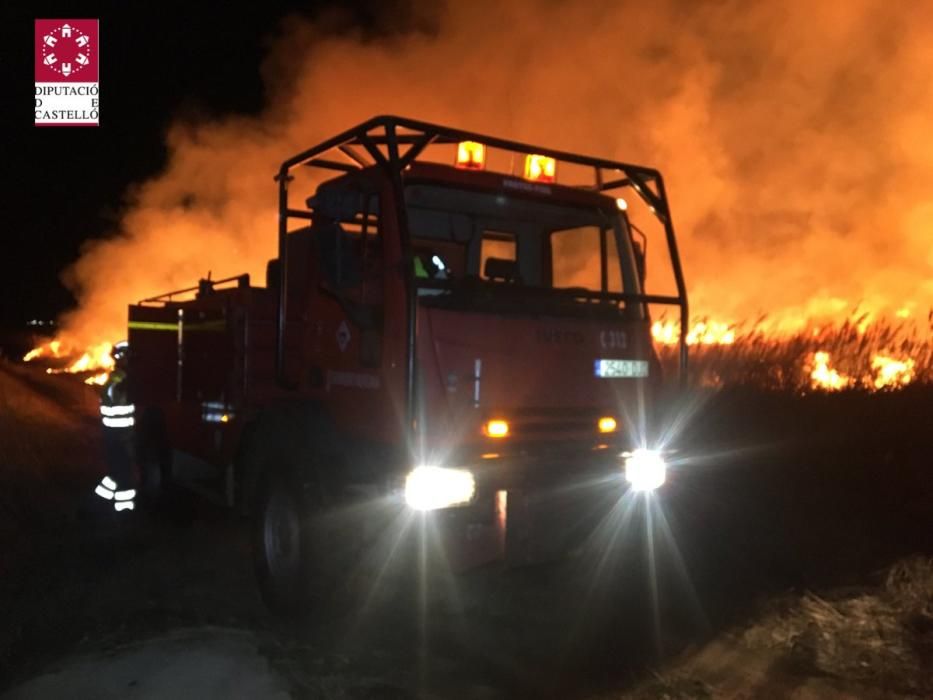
{"x": 433, "y": 337}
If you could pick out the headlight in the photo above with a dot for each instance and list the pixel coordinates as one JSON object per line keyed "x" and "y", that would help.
{"x": 431, "y": 488}
{"x": 645, "y": 469}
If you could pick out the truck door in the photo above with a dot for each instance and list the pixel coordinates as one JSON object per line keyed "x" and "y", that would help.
{"x": 348, "y": 328}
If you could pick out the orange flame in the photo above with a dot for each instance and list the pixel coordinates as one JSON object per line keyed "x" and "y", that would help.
{"x": 98, "y": 379}
{"x": 856, "y": 353}
{"x": 95, "y": 358}
{"x": 700, "y": 333}
{"x": 892, "y": 373}
{"x": 825, "y": 377}
{"x": 50, "y": 349}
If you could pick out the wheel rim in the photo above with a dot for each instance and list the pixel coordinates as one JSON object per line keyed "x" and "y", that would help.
{"x": 281, "y": 534}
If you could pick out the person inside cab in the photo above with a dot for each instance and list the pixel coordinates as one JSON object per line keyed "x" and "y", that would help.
{"x": 428, "y": 265}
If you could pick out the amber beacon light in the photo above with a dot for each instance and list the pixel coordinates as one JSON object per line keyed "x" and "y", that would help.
{"x": 471, "y": 155}
{"x": 540, "y": 168}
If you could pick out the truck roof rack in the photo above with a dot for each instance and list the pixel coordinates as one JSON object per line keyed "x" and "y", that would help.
{"x": 399, "y": 141}
{"x": 204, "y": 286}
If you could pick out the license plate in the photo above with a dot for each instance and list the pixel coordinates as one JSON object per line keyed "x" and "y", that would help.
{"x": 609, "y": 369}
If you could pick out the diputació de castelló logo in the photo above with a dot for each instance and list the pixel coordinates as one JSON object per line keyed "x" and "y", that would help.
{"x": 67, "y": 69}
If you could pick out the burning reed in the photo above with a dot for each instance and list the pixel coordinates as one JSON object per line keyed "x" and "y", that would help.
{"x": 856, "y": 354}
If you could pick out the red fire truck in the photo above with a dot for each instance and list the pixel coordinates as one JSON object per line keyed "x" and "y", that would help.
{"x": 453, "y": 322}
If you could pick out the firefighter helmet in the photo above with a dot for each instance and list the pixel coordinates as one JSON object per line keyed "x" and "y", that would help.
{"x": 120, "y": 351}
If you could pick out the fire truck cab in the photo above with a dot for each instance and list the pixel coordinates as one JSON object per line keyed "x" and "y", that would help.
{"x": 438, "y": 338}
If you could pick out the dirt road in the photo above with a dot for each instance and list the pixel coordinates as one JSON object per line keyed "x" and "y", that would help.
{"x": 780, "y": 494}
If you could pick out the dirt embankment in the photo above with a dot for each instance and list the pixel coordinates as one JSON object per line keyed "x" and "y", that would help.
{"x": 49, "y": 450}
{"x": 49, "y": 458}
{"x": 870, "y": 642}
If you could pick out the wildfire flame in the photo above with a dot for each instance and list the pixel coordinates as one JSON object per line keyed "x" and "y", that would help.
{"x": 825, "y": 377}
{"x": 700, "y": 333}
{"x": 96, "y": 358}
{"x": 891, "y": 372}
{"x": 868, "y": 367}
{"x": 863, "y": 350}
{"x": 50, "y": 349}
{"x": 98, "y": 379}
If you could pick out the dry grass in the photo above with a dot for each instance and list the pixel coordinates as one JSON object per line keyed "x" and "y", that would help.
{"x": 784, "y": 364}
{"x": 867, "y": 643}
{"x": 880, "y": 637}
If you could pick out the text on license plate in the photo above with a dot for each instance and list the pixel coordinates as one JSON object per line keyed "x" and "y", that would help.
{"x": 621, "y": 368}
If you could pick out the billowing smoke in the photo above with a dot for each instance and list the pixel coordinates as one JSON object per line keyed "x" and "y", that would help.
{"x": 794, "y": 137}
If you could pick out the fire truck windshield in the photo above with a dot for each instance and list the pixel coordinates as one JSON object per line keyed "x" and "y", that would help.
{"x": 493, "y": 239}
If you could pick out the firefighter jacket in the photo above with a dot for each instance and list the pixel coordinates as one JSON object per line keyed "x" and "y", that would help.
{"x": 116, "y": 410}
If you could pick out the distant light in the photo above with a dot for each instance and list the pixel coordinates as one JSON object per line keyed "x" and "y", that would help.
{"x": 471, "y": 155}
{"x": 621, "y": 203}
{"x": 438, "y": 263}
{"x": 607, "y": 424}
{"x": 540, "y": 168}
{"x": 496, "y": 428}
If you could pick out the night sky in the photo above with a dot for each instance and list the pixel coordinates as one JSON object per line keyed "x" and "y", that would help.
{"x": 158, "y": 62}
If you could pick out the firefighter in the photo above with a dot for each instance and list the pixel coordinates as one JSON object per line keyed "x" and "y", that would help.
{"x": 429, "y": 265}
{"x": 118, "y": 487}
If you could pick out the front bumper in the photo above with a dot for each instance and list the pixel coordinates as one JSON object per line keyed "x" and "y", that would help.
{"x": 530, "y": 508}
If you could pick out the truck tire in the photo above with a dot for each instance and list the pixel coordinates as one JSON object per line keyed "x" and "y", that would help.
{"x": 296, "y": 565}
{"x": 308, "y": 530}
{"x": 281, "y": 543}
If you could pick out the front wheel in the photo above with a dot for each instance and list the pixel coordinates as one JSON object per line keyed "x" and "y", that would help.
{"x": 282, "y": 545}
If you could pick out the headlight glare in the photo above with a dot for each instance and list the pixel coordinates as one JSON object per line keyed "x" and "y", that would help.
{"x": 432, "y": 488}
{"x": 645, "y": 469}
